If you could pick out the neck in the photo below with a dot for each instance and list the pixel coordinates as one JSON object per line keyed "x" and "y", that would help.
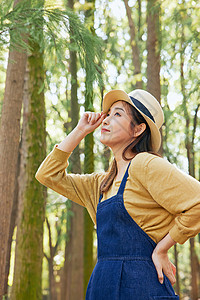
{"x": 121, "y": 163}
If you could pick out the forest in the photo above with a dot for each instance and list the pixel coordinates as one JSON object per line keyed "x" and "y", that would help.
{"x": 57, "y": 60}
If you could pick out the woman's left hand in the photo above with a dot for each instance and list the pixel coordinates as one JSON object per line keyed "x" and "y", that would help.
{"x": 163, "y": 264}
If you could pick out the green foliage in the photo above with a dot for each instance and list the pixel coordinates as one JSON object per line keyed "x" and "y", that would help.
{"x": 23, "y": 24}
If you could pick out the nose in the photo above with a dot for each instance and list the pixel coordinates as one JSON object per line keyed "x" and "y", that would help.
{"x": 106, "y": 120}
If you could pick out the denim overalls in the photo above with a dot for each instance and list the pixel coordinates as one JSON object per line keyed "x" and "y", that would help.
{"x": 124, "y": 270}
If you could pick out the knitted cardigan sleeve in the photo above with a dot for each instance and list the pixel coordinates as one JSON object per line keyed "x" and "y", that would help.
{"x": 178, "y": 193}
{"x": 80, "y": 188}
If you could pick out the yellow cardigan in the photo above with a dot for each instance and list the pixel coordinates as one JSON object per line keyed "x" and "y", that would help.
{"x": 159, "y": 197}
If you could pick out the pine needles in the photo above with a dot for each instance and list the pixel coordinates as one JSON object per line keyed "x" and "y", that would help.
{"x": 62, "y": 29}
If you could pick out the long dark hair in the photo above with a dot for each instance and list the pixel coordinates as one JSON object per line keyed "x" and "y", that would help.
{"x": 141, "y": 144}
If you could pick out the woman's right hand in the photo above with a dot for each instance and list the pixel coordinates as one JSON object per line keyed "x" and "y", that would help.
{"x": 90, "y": 121}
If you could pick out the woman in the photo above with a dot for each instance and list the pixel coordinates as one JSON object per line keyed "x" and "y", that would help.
{"x": 142, "y": 206}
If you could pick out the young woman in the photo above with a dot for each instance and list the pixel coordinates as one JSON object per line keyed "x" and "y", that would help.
{"x": 142, "y": 206}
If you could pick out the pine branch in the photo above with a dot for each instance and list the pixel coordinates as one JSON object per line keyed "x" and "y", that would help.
{"x": 58, "y": 33}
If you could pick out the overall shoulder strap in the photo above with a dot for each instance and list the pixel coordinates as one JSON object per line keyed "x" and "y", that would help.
{"x": 100, "y": 197}
{"x": 123, "y": 182}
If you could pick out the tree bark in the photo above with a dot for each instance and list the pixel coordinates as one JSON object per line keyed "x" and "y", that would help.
{"x": 52, "y": 250}
{"x": 153, "y": 52}
{"x": 72, "y": 283}
{"x": 88, "y": 224}
{"x": 88, "y": 164}
{"x": 9, "y": 146}
{"x": 194, "y": 270}
{"x": 134, "y": 48}
{"x": 13, "y": 221}
{"x": 189, "y": 145}
{"x": 153, "y": 49}
{"x": 177, "y": 270}
{"x": 29, "y": 245}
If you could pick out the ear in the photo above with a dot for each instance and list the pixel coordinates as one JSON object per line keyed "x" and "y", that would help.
{"x": 139, "y": 129}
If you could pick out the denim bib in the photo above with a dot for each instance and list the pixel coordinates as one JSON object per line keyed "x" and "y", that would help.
{"x": 124, "y": 269}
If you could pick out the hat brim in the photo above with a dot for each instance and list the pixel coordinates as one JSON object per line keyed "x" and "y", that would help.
{"x": 117, "y": 95}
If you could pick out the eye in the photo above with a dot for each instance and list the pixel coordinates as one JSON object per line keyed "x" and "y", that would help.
{"x": 116, "y": 114}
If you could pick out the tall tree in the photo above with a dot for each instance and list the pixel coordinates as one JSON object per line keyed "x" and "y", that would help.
{"x": 29, "y": 245}
{"x": 9, "y": 145}
{"x": 73, "y": 268}
{"x": 50, "y": 259}
{"x": 189, "y": 145}
{"x": 88, "y": 160}
{"x": 153, "y": 48}
{"x": 134, "y": 46}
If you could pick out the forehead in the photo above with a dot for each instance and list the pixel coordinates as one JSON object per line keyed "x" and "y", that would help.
{"x": 116, "y": 104}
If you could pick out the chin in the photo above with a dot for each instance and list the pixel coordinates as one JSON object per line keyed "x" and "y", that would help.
{"x": 104, "y": 141}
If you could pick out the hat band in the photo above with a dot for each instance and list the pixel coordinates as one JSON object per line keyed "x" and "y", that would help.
{"x": 142, "y": 108}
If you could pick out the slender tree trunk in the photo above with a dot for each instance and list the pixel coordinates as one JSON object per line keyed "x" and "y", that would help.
{"x": 88, "y": 224}
{"x": 134, "y": 47}
{"x": 189, "y": 145}
{"x": 9, "y": 146}
{"x": 73, "y": 267}
{"x": 52, "y": 283}
{"x": 75, "y": 255}
{"x": 52, "y": 250}
{"x": 13, "y": 220}
{"x": 139, "y": 19}
{"x": 177, "y": 270}
{"x": 75, "y": 250}
{"x": 88, "y": 165}
{"x": 153, "y": 49}
{"x": 72, "y": 281}
{"x": 194, "y": 270}
{"x": 29, "y": 245}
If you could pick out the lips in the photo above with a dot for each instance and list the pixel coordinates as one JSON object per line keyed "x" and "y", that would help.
{"x": 105, "y": 130}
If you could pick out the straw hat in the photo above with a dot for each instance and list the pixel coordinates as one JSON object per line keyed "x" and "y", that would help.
{"x": 146, "y": 104}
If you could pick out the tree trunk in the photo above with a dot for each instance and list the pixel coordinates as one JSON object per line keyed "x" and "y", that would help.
{"x": 13, "y": 220}
{"x": 134, "y": 48}
{"x": 73, "y": 267}
{"x": 74, "y": 256}
{"x": 153, "y": 52}
{"x": 88, "y": 163}
{"x": 29, "y": 245}
{"x": 194, "y": 270}
{"x": 139, "y": 19}
{"x": 153, "y": 49}
{"x": 52, "y": 250}
{"x": 177, "y": 270}
{"x": 189, "y": 145}
{"x": 9, "y": 146}
{"x": 88, "y": 224}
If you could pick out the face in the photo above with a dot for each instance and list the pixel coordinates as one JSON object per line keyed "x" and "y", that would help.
{"x": 116, "y": 131}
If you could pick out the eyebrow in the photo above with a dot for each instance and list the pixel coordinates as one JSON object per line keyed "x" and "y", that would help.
{"x": 118, "y": 108}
